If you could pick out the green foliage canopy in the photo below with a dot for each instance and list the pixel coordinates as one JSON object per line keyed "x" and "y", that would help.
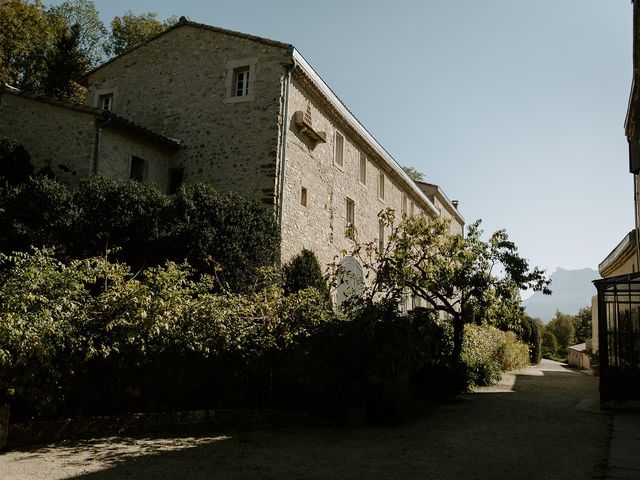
{"x": 225, "y": 235}
{"x": 562, "y": 328}
{"x": 582, "y": 325}
{"x": 130, "y": 30}
{"x": 465, "y": 277}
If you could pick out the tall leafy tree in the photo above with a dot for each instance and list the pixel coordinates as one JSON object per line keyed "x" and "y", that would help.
{"x": 464, "y": 277}
{"x": 131, "y": 29}
{"x": 26, "y": 35}
{"x": 65, "y": 64}
{"x": 562, "y": 327}
{"x": 92, "y": 36}
{"x": 582, "y": 325}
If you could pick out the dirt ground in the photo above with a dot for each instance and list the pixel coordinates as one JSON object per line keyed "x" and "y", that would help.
{"x": 541, "y": 423}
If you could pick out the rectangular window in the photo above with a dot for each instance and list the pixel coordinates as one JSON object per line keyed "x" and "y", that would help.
{"x": 339, "y": 153}
{"x": 381, "y": 185}
{"x": 137, "y": 169}
{"x": 175, "y": 179}
{"x": 303, "y": 197}
{"x": 105, "y": 102}
{"x": 240, "y": 82}
{"x": 404, "y": 204}
{"x": 380, "y": 235}
{"x": 413, "y": 207}
{"x": 363, "y": 169}
{"x": 351, "y": 218}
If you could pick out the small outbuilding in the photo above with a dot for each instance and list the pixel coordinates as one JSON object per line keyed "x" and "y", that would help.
{"x": 578, "y": 356}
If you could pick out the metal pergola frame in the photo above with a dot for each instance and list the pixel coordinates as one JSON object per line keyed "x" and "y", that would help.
{"x": 619, "y": 338}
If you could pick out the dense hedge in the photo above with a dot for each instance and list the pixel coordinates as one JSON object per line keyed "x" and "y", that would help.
{"x": 223, "y": 234}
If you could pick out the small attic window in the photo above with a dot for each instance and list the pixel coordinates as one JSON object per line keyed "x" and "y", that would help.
{"x": 105, "y": 102}
{"x": 240, "y": 80}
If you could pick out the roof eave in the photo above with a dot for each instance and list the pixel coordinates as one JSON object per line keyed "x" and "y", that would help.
{"x": 322, "y": 86}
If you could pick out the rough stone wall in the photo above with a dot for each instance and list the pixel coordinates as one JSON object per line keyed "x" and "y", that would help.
{"x": 116, "y": 150}
{"x": 320, "y": 226}
{"x": 455, "y": 227}
{"x": 53, "y": 135}
{"x": 178, "y": 85}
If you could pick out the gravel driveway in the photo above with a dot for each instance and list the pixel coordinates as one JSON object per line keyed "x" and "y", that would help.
{"x": 536, "y": 424}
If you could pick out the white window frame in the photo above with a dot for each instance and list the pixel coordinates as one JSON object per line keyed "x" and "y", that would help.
{"x": 241, "y": 79}
{"x": 350, "y": 217}
{"x": 233, "y": 67}
{"x": 100, "y": 95}
{"x": 338, "y": 150}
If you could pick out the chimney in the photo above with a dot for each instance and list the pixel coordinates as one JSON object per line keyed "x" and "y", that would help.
{"x": 455, "y": 204}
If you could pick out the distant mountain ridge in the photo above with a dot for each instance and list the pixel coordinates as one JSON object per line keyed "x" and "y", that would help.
{"x": 572, "y": 290}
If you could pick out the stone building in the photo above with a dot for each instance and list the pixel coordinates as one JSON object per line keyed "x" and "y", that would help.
{"x": 245, "y": 114}
{"x": 76, "y": 141}
{"x": 616, "y": 309}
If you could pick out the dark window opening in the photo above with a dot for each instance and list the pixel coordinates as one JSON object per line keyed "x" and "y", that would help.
{"x": 175, "y": 179}
{"x": 137, "y": 169}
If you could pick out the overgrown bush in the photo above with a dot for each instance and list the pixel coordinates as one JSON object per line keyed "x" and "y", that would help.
{"x": 89, "y": 337}
{"x": 15, "y": 163}
{"x": 487, "y": 351}
{"x": 225, "y": 235}
{"x": 304, "y": 271}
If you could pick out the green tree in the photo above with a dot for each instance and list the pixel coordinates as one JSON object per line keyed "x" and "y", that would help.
{"x": 531, "y": 334}
{"x": 415, "y": 175}
{"x": 92, "y": 36}
{"x": 26, "y": 36}
{"x": 461, "y": 276}
{"x": 131, "y": 29}
{"x": 304, "y": 271}
{"x": 65, "y": 64}
{"x": 582, "y": 325}
{"x": 562, "y": 327}
{"x": 550, "y": 347}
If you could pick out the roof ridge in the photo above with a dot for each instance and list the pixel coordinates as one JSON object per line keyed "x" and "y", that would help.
{"x": 185, "y": 21}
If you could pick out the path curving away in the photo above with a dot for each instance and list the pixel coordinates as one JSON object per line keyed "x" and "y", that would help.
{"x": 536, "y": 424}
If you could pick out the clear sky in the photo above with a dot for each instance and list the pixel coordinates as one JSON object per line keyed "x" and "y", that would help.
{"x": 515, "y": 108}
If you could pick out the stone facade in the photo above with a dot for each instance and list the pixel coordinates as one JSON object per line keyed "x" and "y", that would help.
{"x": 447, "y": 209}
{"x": 76, "y": 142}
{"x": 251, "y": 116}
{"x": 179, "y": 85}
{"x": 59, "y": 138}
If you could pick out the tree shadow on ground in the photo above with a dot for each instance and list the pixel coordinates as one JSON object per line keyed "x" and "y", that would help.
{"x": 525, "y": 427}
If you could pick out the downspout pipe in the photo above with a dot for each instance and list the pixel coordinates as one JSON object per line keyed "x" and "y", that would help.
{"x": 283, "y": 147}
{"x": 98, "y": 141}
{"x": 635, "y": 204}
